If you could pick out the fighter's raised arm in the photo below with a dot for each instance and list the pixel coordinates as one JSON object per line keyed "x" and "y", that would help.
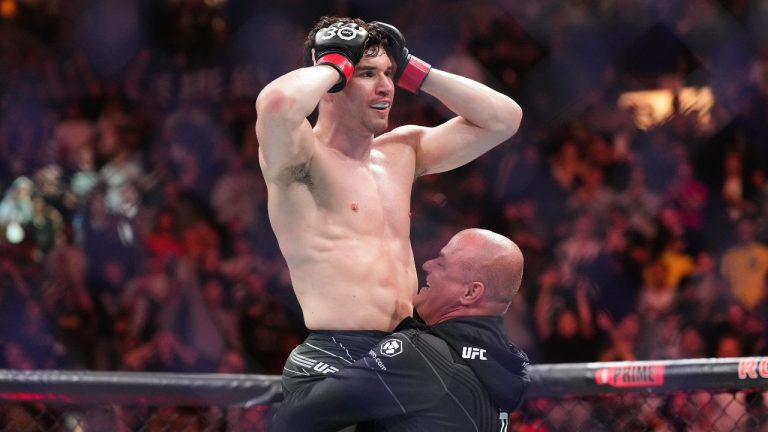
{"x": 485, "y": 117}
{"x": 285, "y": 136}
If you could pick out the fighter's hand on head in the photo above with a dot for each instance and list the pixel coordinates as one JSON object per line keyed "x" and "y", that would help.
{"x": 411, "y": 71}
{"x": 341, "y": 46}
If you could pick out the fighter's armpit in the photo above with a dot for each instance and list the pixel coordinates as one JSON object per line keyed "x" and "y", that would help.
{"x": 299, "y": 173}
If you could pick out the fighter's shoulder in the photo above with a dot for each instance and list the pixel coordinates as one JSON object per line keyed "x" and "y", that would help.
{"x": 404, "y": 135}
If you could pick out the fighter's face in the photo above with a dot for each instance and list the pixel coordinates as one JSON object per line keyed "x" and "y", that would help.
{"x": 369, "y": 93}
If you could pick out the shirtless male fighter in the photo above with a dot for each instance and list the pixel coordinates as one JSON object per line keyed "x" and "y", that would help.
{"x": 339, "y": 192}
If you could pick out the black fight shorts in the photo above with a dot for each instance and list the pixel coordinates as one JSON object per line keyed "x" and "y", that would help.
{"x": 325, "y": 352}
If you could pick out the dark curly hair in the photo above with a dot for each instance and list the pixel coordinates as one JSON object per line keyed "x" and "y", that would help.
{"x": 376, "y": 37}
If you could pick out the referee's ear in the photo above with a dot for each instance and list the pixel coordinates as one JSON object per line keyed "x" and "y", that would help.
{"x": 473, "y": 292}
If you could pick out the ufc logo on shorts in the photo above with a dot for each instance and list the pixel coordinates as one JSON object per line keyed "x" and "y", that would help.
{"x": 473, "y": 353}
{"x": 324, "y": 368}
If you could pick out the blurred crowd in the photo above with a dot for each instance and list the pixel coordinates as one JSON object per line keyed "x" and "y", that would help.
{"x": 133, "y": 224}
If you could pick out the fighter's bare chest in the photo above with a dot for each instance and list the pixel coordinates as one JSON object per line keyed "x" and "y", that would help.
{"x": 369, "y": 192}
{"x": 364, "y": 185}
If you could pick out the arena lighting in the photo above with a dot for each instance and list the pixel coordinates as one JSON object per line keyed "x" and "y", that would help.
{"x": 8, "y": 8}
{"x": 653, "y": 107}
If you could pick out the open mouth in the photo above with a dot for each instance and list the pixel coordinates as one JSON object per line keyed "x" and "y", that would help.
{"x": 381, "y": 106}
{"x": 422, "y": 287}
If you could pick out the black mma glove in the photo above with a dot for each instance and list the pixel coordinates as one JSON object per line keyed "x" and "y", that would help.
{"x": 341, "y": 46}
{"x": 411, "y": 71}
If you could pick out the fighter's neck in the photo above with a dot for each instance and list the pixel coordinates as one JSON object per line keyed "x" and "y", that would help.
{"x": 353, "y": 144}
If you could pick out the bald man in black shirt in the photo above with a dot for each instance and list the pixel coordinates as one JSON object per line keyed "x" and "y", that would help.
{"x": 459, "y": 374}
